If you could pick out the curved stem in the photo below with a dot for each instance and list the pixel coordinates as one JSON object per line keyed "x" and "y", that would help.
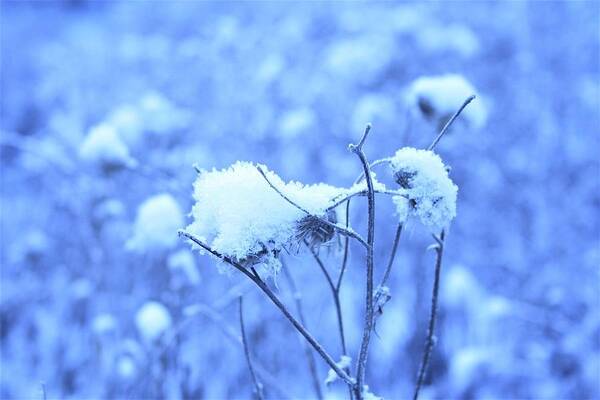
{"x": 429, "y": 342}
{"x": 388, "y": 269}
{"x": 309, "y": 354}
{"x": 346, "y": 250}
{"x": 450, "y": 121}
{"x": 275, "y": 300}
{"x": 400, "y": 192}
{"x": 336, "y": 299}
{"x": 364, "y": 347}
{"x": 341, "y": 230}
{"x": 257, "y": 384}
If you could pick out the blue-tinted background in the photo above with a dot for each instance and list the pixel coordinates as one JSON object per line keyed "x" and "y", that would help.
{"x": 290, "y": 85}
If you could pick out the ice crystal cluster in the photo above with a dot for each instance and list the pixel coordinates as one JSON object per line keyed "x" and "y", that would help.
{"x": 431, "y": 195}
{"x": 239, "y": 215}
{"x": 439, "y": 97}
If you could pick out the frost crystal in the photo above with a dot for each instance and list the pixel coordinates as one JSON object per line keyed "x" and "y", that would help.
{"x": 103, "y": 145}
{"x": 431, "y": 193}
{"x": 158, "y": 219}
{"x": 239, "y": 215}
{"x": 439, "y": 97}
{"x": 152, "y": 320}
{"x": 332, "y": 376}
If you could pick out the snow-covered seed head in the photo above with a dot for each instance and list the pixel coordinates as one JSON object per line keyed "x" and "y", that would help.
{"x": 431, "y": 193}
{"x": 438, "y": 97}
{"x": 238, "y": 214}
{"x": 314, "y": 231}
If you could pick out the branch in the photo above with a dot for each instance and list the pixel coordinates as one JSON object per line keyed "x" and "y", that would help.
{"x": 346, "y": 250}
{"x": 232, "y": 335}
{"x": 364, "y": 347}
{"x": 275, "y": 300}
{"x": 257, "y": 385}
{"x": 343, "y": 231}
{"x": 309, "y": 355}
{"x": 336, "y": 298}
{"x": 388, "y": 269}
{"x": 373, "y": 164}
{"x": 399, "y": 192}
{"x": 450, "y": 121}
{"x": 432, "y": 317}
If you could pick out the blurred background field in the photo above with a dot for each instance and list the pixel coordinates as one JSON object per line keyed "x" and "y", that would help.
{"x": 172, "y": 84}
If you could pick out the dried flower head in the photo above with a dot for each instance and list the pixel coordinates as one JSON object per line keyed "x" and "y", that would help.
{"x": 238, "y": 214}
{"x": 431, "y": 195}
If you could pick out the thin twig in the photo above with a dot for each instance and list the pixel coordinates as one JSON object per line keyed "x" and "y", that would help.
{"x": 343, "y": 231}
{"x": 373, "y": 164}
{"x": 310, "y": 358}
{"x": 450, "y": 121}
{"x": 275, "y": 300}
{"x": 336, "y": 298}
{"x": 364, "y": 347}
{"x": 388, "y": 269}
{"x": 257, "y": 384}
{"x": 398, "y": 192}
{"x": 346, "y": 250}
{"x": 232, "y": 335}
{"x": 429, "y": 342}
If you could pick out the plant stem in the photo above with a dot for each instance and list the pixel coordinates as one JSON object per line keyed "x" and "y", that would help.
{"x": 257, "y": 384}
{"x": 364, "y": 347}
{"x": 388, "y": 269}
{"x": 309, "y": 354}
{"x": 346, "y": 250}
{"x": 429, "y": 342}
{"x": 450, "y": 121}
{"x": 254, "y": 277}
{"x": 343, "y": 231}
{"x": 336, "y": 298}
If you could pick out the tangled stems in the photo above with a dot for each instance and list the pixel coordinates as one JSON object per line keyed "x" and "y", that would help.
{"x": 254, "y": 277}
{"x": 364, "y": 347}
{"x": 429, "y": 342}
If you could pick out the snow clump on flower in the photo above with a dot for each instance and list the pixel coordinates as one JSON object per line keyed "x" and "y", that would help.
{"x": 103, "y": 146}
{"x": 158, "y": 219}
{"x": 431, "y": 195}
{"x": 152, "y": 320}
{"x": 439, "y": 97}
{"x": 240, "y": 216}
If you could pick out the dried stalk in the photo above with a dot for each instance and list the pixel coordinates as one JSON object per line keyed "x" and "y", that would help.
{"x": 257, "y": 385}
{"x": 450, "y": 121}
{"x": 336, "y": 299}
{"x": 429, "y": 342}
{"x": 341, "y": 230}
{"x": 310, "y": 358}
{"x": 364, "y": 347}
{"x": 388, "y": 269}
{"x": 254, "y": 277}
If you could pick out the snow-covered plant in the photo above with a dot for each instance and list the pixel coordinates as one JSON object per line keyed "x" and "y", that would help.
{"x": 431, "y": 195}
{"x": 152, "y": 320}
{"x": 157, "y": 218}
{"x": 247, "y": 217}
{"x": 103, "y": 146}
{"x": 238, "y": 214}
{"x": 438, "y": 97}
